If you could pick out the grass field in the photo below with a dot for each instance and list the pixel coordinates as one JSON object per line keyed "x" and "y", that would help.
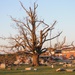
{"x": 42, "y": 70}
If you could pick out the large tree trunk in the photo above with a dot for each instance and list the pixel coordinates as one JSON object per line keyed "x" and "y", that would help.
{"x": 35, "y": 59}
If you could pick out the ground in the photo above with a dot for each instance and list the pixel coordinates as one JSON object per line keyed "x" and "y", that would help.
{"x": 42, "y": 70}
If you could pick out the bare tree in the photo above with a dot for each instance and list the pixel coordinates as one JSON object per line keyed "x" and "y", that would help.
{"x": 62, "y": 45}
{"x": 32, "y": 34}
{"x": 59, "y": 45}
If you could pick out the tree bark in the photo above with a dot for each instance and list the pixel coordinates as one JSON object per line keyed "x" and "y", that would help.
{"x": 35, "y": 59}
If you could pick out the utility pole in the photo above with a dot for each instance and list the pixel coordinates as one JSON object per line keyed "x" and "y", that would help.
{"x": 57, "y": 42}
{"x": 50, "y": 41}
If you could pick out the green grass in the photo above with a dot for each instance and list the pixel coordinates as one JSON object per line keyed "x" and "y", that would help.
{"x": 42, "y": 70}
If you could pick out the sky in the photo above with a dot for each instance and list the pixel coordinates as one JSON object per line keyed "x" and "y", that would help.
{"x": 63, "y": 11}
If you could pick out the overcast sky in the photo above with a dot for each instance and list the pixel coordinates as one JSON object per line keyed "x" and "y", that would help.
{"x": 63, "y": 11}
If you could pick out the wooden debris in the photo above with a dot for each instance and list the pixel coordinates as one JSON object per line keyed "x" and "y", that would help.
{"x": 60, "y": 69}
{"x": 70, "y": 70}
{"x": 2, "y": 66}
{"x": 35, "y": 69}
{"x": 28, "y": 68}
{"x": 9, "y": 68}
